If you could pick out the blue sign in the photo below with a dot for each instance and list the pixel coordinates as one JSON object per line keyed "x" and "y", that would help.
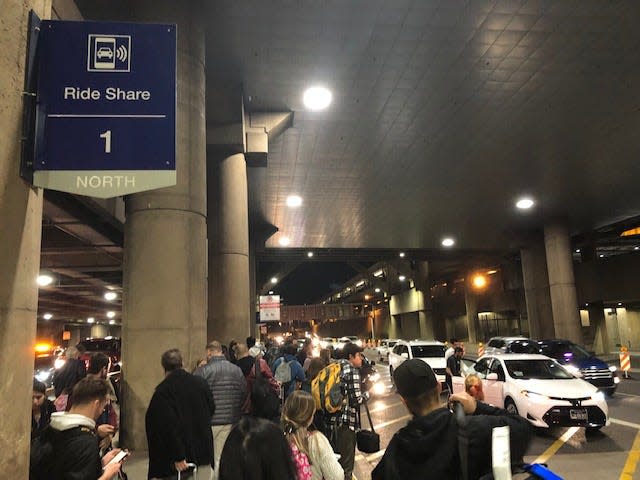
{"x": 106, "y": 107}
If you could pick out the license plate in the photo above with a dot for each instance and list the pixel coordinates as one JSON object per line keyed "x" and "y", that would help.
{"x": 580, "y": 414}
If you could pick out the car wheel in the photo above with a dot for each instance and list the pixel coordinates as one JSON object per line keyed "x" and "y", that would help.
{"x": 510, "y": 406}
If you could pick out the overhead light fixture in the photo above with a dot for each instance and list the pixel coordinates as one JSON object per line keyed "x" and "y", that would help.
{"x": 360, "y": 283}
{"x": 577, "y": 250}
{"x": 47, "y": 316}
{"x": 402, "y": 278}
{"x": 111, "y": 314}
{"x": 284, "y": 241}
{"x": 636, "y": 248}
{"x": 601, "y": 255}
{"x": 274, "y": 280}
{"x": 110, "y": 296}
{"x": 479, "y": 281}
{"x": 401, "y": 254}
{"x": 378, "y": 273}
{"x": 367, "y": 297}
{"x": 492, "y": 272}
{"x": 525, "y": 203}
{"x": 619, "y": 304}
{"x": 309, "y": 254}
{"x": 317, "y": 98}
{"x": 448, "y": 242}
{"x": 377, "y": 290}
{"x": 44, "y": 279}
{"x": 91, "y": 320}
{"x": 294, "y": 201}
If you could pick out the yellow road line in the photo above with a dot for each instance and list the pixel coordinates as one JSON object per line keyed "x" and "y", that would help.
{"x": 555, "y": 446}
{"x": 632, "y": 460}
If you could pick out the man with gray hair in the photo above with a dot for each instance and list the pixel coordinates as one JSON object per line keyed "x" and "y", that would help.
{"x": 177, "y": 420}
{"x": 229, "y": 389}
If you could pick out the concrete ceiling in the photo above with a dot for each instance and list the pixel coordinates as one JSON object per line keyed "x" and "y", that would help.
{"x": 444, "y": 113}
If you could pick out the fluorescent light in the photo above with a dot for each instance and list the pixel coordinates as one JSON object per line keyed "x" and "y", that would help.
{"x": 270, "y": 292}
{"x": 91, "y": 320}
{"x": 111, "y": 314}
{"x": 309, "y": 254}
{"x": 274, "y": 280}
{"x": 401, "y": 254}
{"x": 360, "y": 283}
{"x": 577, "y": 250}
{"x": 44, "y": 280}
{"x": 525, "y": 203}
{"x": 294, "y": 201}
{"x": 47, "y": 316}
{"x": 492, "y": 272}
{"x": 284, "y": 241}
{"x": 378, "y": 273}
{"x": 402, "y": 278}
{"x": 377, "y": 290}
{"x": 601, "y": 255}
{"x": 317, "y": 98}
{"x": 110, "y": 296}
{"x": 448, "y": 242}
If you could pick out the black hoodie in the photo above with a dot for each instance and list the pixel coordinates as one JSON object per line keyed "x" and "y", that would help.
{"x": 427, "y": 448}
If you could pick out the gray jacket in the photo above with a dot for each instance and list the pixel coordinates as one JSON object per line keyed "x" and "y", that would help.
{"x": 228, "y": 387}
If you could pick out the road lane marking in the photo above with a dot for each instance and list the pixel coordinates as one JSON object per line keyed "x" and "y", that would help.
{"x": 632, "y": 460}
{"x": 391, "y": 422}
{"x": 628, "y": 394}
{"x": 555, "y": 446}
{"x": 625, "y": 423}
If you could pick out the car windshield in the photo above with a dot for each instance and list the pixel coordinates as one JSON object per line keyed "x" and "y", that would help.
{"x": 536, "y": 369}
{"x": 427, "y": 351}
{"x": 565, "y": 351}
{"x": 391, "y": 344}
{"x": 101, "y": 345}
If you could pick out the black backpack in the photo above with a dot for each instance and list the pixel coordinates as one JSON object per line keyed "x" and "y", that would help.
{"x": 264, "y": 400}
{"x": 42, "y": 455}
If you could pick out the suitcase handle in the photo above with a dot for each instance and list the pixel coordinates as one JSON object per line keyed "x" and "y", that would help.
{"x": 195, "y": 471}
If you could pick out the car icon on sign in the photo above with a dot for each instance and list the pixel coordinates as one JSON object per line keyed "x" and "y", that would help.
{"x": 105, "y": 52}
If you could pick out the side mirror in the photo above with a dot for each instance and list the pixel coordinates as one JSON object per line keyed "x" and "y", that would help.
{"x": 492, "y": 376}
{"x": 404, "y": 355}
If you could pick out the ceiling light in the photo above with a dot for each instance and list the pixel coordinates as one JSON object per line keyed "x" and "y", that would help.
{"x": 492, "y": 272}
{"x": 636, "y": 248}
{"x": 284, "y": 241}
{"x": 270, "y": 292}
{"x": 44, "y": 280}
{"x": 577, "y": 250}
{"x": 111, "y": 314}
{"x": 112, "y": 322}
{"x": 525, "y": 203}
{"x": 401, "y": 254}
{"x": 110, "y": 296}
{"x": 601, "y": 255}
{"x": 619, "y": 304}
{"x": 274, "y": 280}
{"x": 448, "y": 242}
{"x": 294, "y": 201}
{"x": 378, "y": 273}
{"x": 317, "y": 98}
{"x": 47, "y": 316}
{"x": 402, "y": 278}
{"x": 360, "y": 283}
{"x": 91, "y": 320}
{"x": 367, "y": 297}
{"x": 377, "y": 290}
{"x": 479, "y": 281}
{"x": 309, "y": 254}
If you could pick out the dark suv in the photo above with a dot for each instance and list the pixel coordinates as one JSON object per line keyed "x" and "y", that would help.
{"x": 577, "y": 359}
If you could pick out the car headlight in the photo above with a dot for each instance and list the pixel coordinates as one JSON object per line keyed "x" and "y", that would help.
{"x": 598, "y": 396}
{"x": 58, "y": 363}
{"x": 379, "y": 388}
{"x": 375, "y": 377}
{"x": 613, "y": 368}
{"x": 43, "y": 376}
{"x": 534, "y": 396}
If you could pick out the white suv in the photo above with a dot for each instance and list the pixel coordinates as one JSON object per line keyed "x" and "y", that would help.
{"x": 385, "y": 347}
{"x": 430, "y": 352}
{"x": 499, "y": 345}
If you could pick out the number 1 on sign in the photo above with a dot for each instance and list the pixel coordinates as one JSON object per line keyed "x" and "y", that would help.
{"x": 107, "y": 141}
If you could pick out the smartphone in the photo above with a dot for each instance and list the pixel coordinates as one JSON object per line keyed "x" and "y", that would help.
{"x": 118, "y": 457}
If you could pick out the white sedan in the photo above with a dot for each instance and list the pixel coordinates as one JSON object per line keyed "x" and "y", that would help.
{"x": 539, "y": 389}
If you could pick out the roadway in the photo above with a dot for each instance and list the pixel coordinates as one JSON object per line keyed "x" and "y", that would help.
{"x": 570, "y": 453}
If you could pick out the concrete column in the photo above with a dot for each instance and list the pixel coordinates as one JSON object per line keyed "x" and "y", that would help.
{"x": 562, "y": 286}
{"x": 164, "y": 295}
{"x": 536, "y": 289}
{"x": 20, "y": 231}
{"x": 99, "y": 331}
{"x": 228, "y": 248}
{"x": 598, "y": 323}
{"x": 471, "y": 306}
{"x": 425, "y": 316}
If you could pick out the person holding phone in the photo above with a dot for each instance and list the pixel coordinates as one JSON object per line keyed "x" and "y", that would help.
{"x": 69, "y": 447}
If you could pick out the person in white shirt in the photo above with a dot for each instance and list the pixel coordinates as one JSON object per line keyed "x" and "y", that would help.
{"x": 297, "y": 416}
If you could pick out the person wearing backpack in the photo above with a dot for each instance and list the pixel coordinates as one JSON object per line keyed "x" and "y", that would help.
{"x": 68, "y": 447}
{"x": 288, "y": 371}
{"x": 345, "y": 421}
{"x": 297, "y": 418}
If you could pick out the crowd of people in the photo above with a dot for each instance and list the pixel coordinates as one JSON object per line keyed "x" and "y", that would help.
{"x": 256, "y": 412}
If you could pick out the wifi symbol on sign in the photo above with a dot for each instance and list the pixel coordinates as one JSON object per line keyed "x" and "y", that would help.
{"x": 121, "y": 53}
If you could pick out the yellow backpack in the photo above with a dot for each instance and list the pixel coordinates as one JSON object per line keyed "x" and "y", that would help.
{"x": 326, "y": 390}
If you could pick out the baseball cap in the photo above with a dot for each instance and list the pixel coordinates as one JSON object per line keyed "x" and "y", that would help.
{"x": 351, "y": 349}
{"x": 414, "y": 377}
